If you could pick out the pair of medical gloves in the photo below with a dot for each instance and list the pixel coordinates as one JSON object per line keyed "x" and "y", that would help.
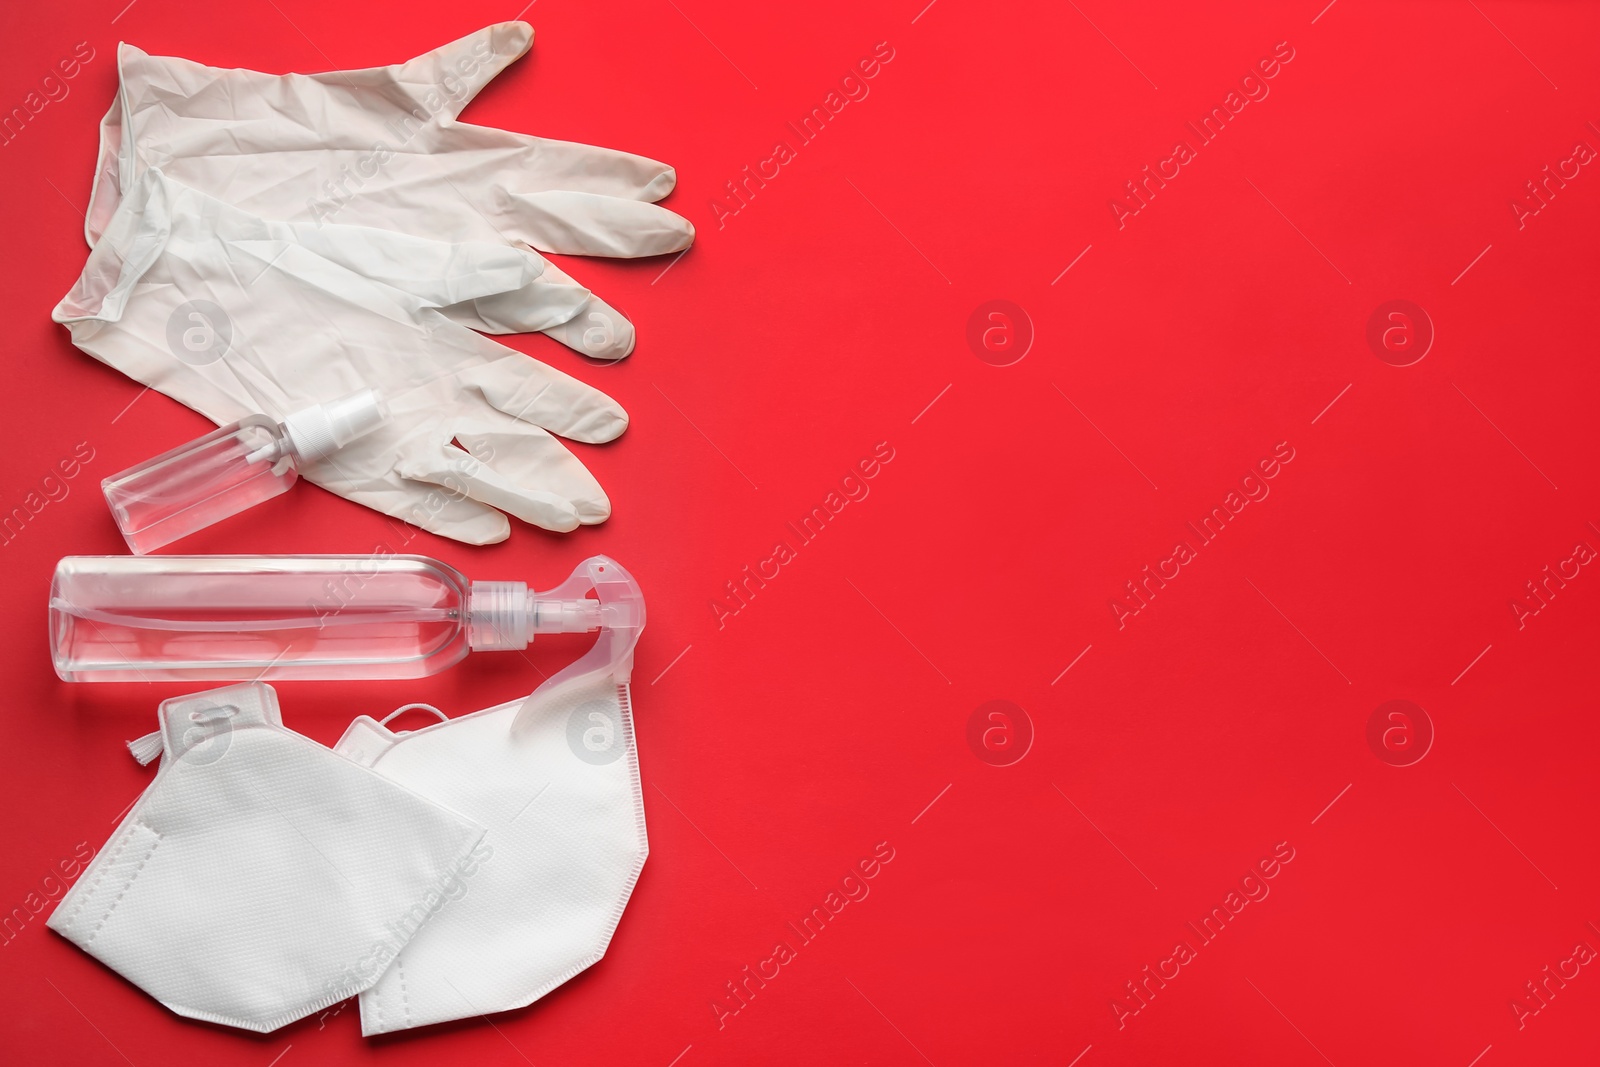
{"x": 465, "y": 868}
{"x": 262, "y": 243}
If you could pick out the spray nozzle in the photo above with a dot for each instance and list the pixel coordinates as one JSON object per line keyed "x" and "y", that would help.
{"x": 508, "y": 615}
{"x": 318, "y": 431}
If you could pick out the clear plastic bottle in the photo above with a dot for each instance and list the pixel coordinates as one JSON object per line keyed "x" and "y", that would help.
{"x": 214, "y": 618}
{"x": 231, "y": 469}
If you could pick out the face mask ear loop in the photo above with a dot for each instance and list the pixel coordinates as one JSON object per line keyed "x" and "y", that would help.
{"x": 152, "y": 745}
{"x": 412, "y": 707}
{"x": 145, "y": 749}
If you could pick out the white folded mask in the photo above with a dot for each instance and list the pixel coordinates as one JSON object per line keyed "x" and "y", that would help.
{"x": 260, "y": 877}
{"x": 555, "y": 779}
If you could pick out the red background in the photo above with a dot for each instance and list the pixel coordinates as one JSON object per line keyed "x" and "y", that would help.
{"x": 825, "y": 716}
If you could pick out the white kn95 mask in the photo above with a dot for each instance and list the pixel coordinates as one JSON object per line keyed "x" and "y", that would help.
{"x": 555, "y": 779}
{"x": 260, "y": 877}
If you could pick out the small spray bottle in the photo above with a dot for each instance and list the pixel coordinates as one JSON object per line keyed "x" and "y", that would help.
{"x": 231, "y": 469}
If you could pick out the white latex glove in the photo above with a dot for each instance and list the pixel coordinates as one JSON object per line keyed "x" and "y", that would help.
{"x": 382, "y": 147}
{"x": 231, "y": 314}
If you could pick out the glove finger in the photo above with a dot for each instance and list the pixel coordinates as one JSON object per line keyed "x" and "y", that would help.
{"x": 439, "y": 505}
{"x": 440, "y": 273}
{"x": 542, "y": 396}
{"x": 545, "y": 163}
{"x": 484, "y": 286}
{"x": 598, "y": 330}
{"x": 532, "y": 503}
{"x": 593, "y": 224}
{"x": 530, "y": 464}
{"x": 445, "y": 79}
{"x": 542, "y": 304}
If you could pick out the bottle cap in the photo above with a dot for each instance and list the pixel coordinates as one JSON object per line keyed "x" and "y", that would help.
{"x": 497, "y": 616}
{"x": 505, "y": 615}
{"x": 322, "y": 429}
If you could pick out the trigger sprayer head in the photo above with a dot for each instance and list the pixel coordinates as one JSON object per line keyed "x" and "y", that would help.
{"x": 616, "y": 609}
{"x": 507, "y": 615}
